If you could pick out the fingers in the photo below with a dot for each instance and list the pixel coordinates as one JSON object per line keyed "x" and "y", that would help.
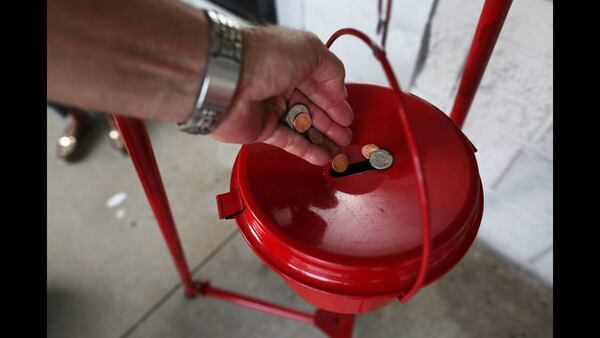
{"x": 296, "y": 144}
{"x": 326, "y": 89}
{"x": 333, "y": 130}
{"x": 331, "y": 147}
{"x": 263, "y": 125}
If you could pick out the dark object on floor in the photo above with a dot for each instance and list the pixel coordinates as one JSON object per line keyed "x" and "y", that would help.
{"x": 79, "y": 133}
{"x": 73, "y": 142}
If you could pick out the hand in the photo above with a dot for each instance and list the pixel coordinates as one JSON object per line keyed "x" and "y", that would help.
{"x": 282, "y": 67}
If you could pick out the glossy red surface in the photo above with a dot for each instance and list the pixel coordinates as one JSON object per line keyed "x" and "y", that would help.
{"x": 136, "y": 139}
{"x": 488, "y": 29}
{"x": 277, "y": 252}
{"x": 423, "y": 198}
{"x": 360, "y": 235}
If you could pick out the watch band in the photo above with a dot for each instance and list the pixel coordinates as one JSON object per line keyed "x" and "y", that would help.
{"x": 221, "y": 75}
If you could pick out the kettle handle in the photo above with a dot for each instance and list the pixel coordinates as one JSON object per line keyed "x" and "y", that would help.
{"x": 424, "y": 204}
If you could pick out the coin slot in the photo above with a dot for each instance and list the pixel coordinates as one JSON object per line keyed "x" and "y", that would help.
{"x": 353, "y": 168}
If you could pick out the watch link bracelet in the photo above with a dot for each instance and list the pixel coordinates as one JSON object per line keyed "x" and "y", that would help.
{"x": 221, "y": 75}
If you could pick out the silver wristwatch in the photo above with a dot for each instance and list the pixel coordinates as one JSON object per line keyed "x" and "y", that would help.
{"x": 221, "y": 75}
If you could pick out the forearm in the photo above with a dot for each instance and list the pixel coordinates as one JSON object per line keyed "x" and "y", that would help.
{"x": 142, "y": 58}
{"x": 147, "y": 58}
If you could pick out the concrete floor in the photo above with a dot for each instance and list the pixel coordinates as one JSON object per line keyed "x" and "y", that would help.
{"x": 109, "y": 273}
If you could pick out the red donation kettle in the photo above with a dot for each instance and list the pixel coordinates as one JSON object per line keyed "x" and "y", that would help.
{"x": 353, "y": 243}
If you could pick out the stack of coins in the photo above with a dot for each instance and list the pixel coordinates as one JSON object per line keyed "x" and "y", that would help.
{"x": 298, "y": 119}
{"x": 379, "y": 158}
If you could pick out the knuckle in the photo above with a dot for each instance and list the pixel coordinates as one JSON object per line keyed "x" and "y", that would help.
{"x": 313, "y": 38}
{"x": 302, "y": 150}
{"x": 295, "y": 146}
{"x": 328, "y": 128}
{"x": 288, "y": 144}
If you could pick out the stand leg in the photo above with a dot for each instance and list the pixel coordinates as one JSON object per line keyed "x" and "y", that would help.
{"x": 137, "y": 142}
{"x": 488, "y": 29}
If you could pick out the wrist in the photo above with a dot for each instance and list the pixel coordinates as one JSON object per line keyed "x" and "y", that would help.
{"x": 250, "y": 50}
{"x": 221, "y": 77}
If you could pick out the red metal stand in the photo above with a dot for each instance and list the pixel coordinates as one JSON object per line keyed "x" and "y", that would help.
{"x": 137, "y": 142}
{"x": 488, "y": 29}
{"x": 139, "y": 147}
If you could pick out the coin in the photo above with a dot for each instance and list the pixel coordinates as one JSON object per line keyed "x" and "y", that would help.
{"x": 302, "y": 122}
{"x": 381, "y": 159}
{"x": 340, "y": 163}
{"x": 368, "y": 149}
{"x": 315, "y": 136}
{"x": 293, "y": 112}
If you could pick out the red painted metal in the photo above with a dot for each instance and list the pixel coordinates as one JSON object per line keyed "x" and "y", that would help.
{"x": 351, "y": 244}
{"x": 303, "y": 250}
{"x": 229, "y": 204}
{"x": 414, "y": 153}
{"x": 256, "y": 304}
{"x": 139, "y": 147}
{"x": 335, "y": 325}
{"x": 313, "y": 267}
{"x": 488, "y": 29}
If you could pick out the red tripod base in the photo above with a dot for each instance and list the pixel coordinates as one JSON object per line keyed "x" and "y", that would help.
{"x": 139, "y": 147}
{"x": 333, "y": 324}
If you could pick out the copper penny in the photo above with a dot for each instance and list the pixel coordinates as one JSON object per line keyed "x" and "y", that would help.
{"x": 315, "y": 136}
{"x": 368, "y": 149}
{"x": 293, "y": 112}
{"x": 340, "y": 163}
{"x": 302, "y": 122}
